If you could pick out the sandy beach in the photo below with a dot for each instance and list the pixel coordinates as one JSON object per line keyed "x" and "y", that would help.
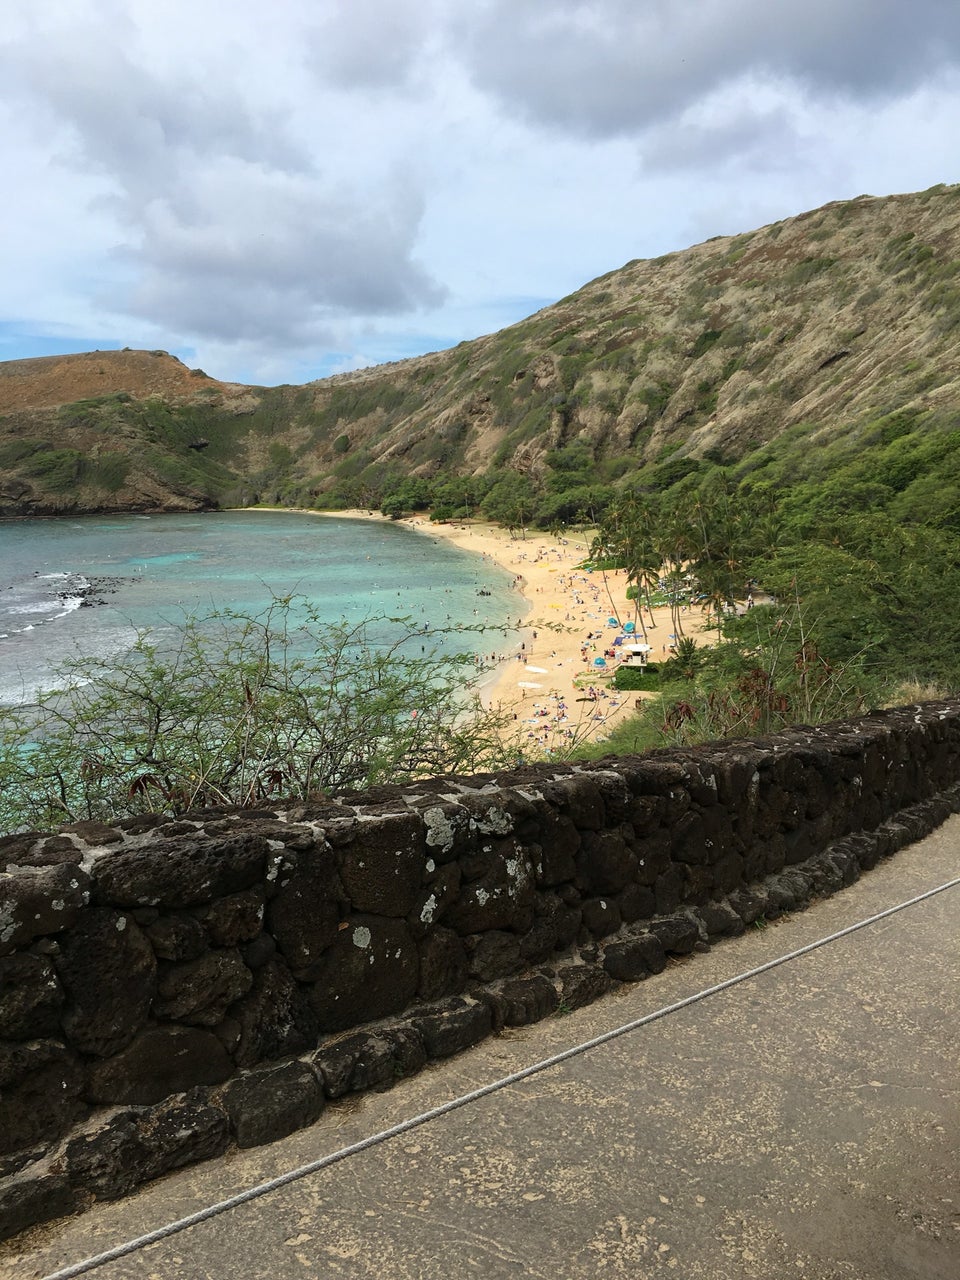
{"x": 548, "y": 677}
{"x": 545, "y": 674}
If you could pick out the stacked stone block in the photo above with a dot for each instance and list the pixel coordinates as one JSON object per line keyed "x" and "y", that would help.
{"x": 168, "y": 987}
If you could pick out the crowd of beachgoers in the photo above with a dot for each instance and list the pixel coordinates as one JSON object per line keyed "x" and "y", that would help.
{"x": 553, "y": 673}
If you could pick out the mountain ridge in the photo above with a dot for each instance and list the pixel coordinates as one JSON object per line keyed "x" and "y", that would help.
{"x": 809, "y": 328}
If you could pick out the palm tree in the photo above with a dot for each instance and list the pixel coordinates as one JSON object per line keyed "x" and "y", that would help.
{"x": 676, "y": 548}
{"x": 603, "y": 549}
{"x": 626, "y": 536}
{"x": 722, "y": 529}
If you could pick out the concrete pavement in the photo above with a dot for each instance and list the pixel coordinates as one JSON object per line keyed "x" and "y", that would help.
{"x": 803, "y": 1123}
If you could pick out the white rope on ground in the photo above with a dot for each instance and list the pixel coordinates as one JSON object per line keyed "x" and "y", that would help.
{"x": 294, "y": 1175}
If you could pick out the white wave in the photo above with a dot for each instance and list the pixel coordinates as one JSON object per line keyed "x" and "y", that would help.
{"x": 70, "y": 604}
{"x": 30, "y": 682}
{"x": 37, "y": 606}
{"x": 76, "y": 579}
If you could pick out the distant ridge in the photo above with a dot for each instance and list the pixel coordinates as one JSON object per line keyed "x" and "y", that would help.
{"x": 47, "y": 381}
{"x": 808, "y": 329}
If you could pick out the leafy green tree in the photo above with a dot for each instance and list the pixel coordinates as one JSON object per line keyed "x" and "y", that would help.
{"x": 772, "y": 675}
{"x": 459, "y": 495}
{"x": 511, "y": 501}
{"x": 590, "y": 500}
{"x": 412, "y": 493}
{"x": 572, "y": 467}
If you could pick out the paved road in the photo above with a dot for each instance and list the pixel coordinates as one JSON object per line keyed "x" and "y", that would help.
{"x": 803, "y": 1123}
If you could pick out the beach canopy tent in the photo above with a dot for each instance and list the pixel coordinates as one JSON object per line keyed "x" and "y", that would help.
{"x": 599, "y": 662}
{"x": 629, "y": 628}
{"x": 613, "y": 622}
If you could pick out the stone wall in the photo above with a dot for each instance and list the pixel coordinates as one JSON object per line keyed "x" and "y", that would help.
{"x": 170, "y": 987}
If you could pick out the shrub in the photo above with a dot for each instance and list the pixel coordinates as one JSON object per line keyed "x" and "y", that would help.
{"x": 243, "y": 709}
{"x": 56, "y": 469}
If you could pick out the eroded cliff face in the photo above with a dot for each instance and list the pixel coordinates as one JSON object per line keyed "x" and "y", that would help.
{"x": 810, "y": 326}
{"x": 142, "y": 493}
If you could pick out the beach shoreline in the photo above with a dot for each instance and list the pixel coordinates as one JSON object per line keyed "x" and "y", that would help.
{"x": 549, "y": 681}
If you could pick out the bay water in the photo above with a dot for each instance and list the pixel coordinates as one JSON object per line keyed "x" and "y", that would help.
{"x": 87, "y": 586}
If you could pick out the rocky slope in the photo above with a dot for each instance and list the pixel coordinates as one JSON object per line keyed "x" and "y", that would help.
{"x": 851, "y": 310}
{"x": 812, "y": 327}
{"x": 95, "y": 431}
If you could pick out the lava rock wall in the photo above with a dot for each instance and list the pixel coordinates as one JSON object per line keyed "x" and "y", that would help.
{"x": 169, "y": 987}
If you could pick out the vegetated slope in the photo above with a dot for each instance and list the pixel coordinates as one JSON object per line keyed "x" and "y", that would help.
{"x": 801, "y": 333}
{"x": 826, "y": 320}
{"x": 109, "y": 430}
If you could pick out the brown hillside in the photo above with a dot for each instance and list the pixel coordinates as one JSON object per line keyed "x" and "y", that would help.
{"x": 48, "y": 381}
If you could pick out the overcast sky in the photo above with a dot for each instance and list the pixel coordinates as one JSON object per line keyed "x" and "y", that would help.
{"x": 274, "y": 192}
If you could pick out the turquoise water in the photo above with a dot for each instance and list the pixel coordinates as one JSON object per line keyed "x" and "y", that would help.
{"x": 87, "y": 587}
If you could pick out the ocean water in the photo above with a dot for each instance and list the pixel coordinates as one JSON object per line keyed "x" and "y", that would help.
{"x": 88, "y": 586}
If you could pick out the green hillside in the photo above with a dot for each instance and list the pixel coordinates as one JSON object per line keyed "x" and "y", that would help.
{"x": 822, "y": 350}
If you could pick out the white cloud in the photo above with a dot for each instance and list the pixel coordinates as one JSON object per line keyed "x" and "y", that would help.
{"x": 228, "y": 229}
{"x": 286, "y": 192}
{"x": 610, "y": 67}
{"x": 244, "y": 250}
{"x": 371, "y": 45}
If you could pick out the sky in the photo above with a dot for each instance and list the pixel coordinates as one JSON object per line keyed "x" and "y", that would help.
{"x": 277, "y": 192}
